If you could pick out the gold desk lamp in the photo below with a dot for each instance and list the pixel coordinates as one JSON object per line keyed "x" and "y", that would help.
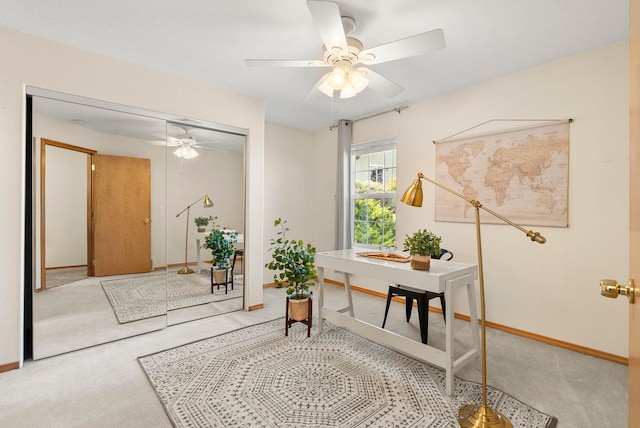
{"x": 473, "y": 415}
{"x": 208, "y": 203}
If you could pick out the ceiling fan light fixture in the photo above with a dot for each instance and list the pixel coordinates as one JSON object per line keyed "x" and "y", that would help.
{"x": 185, "y": 152}
{"x": 337, "y": 78}
{"x": 344, "y": 78}
{"x": 347, "y": 92}
{"x": 324, "y": 86}
{"x": 358, "y": 79}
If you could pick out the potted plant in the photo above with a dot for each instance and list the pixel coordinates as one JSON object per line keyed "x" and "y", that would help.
{"x": 203, "y": 222}
{"x": 222, "y": 244}
{"x": 294, "y": 265}
{"x": 421, "y": 245}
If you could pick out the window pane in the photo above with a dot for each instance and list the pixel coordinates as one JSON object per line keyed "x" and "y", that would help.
{"x": 389, "y": 180}
{"x": 377, "y": 158}
{"x": 360, "y": 232}
{"x": 362, "y": 182}
{"x": 375, "y": 233}
{"x": 362, "y": 163}
{"x": 360, "y": 212}
{"x": 390, "y": 158}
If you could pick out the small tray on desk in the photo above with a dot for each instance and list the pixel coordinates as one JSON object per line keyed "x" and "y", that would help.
{"x": 383, "y": 255}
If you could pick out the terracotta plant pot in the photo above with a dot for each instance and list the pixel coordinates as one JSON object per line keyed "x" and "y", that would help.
{"x": 202, "y": 229}
{"x": 419, "y": 262}
{"x": 299, "y": 309}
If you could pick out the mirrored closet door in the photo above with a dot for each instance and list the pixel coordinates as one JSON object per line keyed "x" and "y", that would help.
{"x": 204, "y": 165}
{"x": 108, "y": 237}
{"x": 100, "y": 231}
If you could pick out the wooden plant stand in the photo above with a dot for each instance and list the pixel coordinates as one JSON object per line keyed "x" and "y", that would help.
{"x": 306, "y": 321}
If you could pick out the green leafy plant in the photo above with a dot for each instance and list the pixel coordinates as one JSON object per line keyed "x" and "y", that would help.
{"x": 222, "y": 244}
{"x": 204, "y": 221}
{"x": 293, "y": 261}
{"x": 423, "y": 243}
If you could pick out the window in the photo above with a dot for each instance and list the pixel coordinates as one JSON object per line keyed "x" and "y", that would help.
{"x": 373, "y": 194}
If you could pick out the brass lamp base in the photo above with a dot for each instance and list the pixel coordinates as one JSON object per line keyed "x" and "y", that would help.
{"x": 185, "y": 270}
{"x": 475, "y": 416}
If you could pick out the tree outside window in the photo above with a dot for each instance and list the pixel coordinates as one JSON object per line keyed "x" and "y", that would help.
{"x": 374, "y": 197}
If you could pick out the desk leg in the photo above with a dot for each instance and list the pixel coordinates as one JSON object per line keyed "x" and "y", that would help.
{"x": 347, "y": 288}
{"x": 320, "y": 271}
{"x": 449, "y": 354}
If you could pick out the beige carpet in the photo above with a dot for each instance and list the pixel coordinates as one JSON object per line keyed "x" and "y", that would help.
{"x": 58, "y": 277}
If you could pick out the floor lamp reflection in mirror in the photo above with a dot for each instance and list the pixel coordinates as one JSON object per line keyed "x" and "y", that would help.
{"x": 208, "y": 203}
{"x": 473, "y": 415}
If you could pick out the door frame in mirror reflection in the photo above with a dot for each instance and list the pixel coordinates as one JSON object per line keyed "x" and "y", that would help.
{"x": 44, "y": 145}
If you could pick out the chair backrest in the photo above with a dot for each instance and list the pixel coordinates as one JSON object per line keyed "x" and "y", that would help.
{"x": 444, "y": 254}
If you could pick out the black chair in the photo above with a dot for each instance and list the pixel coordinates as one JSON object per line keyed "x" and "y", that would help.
{"x": 422, "y": 298}
{"x": 443, "y": 253}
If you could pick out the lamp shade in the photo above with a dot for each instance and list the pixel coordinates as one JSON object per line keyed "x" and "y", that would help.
{"x": 347, "y": 92}
{"x": 185, "y": 151}
{"x": 413, "y": 195}
{"x": 208, "y": 203}
{"x": 358, "y": 79}
{"x": 324, "y": 86}
{"x": 337, "y": 77}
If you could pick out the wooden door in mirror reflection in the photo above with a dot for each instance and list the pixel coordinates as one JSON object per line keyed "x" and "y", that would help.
{"x": 121, "y": 216}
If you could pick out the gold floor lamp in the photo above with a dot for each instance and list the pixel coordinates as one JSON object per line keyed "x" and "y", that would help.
{"x": 473, "y": 415}
{"x": 208, "y": 203}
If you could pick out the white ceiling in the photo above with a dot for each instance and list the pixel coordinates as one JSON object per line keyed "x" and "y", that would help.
{"x": 208, "y": 40}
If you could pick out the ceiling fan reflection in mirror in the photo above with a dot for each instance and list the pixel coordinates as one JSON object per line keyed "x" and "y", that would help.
{"x": 184, "y": 143}
{"x": 345, "y": 54}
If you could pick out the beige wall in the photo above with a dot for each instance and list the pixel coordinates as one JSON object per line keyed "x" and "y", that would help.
{"x": 31, "y": 61}
{"x": 551, "y": 289}
{"x": 66, "y": 208}
{"x": 288, "y": 185}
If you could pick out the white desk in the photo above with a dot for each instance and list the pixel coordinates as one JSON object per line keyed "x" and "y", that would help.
{"x": 200, "y": 237}
{"x": 444, "y": 276}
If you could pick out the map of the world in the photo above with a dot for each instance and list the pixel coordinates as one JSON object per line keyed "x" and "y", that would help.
{"x": 521, "y": 174}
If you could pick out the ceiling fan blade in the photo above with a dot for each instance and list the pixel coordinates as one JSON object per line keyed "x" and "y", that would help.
{"x": 419, "y": 44}
{"x": 285, "y": 63}
{"x": 326, "y": 16}
{"x": 383, "y": 85}
{"x": 168, "y": 141}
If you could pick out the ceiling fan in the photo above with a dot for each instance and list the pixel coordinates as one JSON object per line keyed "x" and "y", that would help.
{"x": 343, "y": 53}
{"x": 184, "y": 143}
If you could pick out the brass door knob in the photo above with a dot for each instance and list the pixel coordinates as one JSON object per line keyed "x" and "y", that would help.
{"x": 146, "y": 221}
{"x": 611, "y": 288}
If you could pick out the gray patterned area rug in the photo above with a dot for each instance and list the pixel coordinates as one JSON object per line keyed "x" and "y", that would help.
{"x": 141, "y": 297}
{"x": 257, "y": 377}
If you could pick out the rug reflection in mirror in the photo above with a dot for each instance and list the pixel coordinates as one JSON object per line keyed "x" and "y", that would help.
{"x": 143, "y": 297}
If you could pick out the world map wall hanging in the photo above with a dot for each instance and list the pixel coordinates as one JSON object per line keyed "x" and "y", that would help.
{"x": 522, "y": 174}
